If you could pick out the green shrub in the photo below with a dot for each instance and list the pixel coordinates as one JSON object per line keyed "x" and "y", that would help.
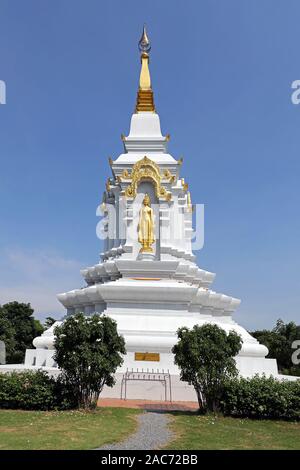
{"x": 261, "y": 397}
{"x": 33, "y": 390}
{"x": 88, "y": 351}
{"x": 205, "y": 357}
{"x": 65, "y": 398}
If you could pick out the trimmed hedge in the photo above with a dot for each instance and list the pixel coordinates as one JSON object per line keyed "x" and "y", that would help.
{"x": 262, "y": 397}
{"x": 34, "y": 390}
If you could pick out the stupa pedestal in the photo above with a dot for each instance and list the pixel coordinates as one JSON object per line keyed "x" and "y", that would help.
{"x": 146, "y": 257}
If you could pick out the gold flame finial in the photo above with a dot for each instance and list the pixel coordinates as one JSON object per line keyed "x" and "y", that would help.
{"x": 145, "y": 101}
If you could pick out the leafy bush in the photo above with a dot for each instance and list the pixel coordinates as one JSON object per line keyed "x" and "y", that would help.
{"x": 34, "y": 390}
{"x": 88, "y": 351}
{"x": 205, "y": 356}
{"x": 261, "y": 397}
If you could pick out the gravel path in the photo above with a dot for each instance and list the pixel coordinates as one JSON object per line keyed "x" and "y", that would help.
{"x": 152, "y": 433}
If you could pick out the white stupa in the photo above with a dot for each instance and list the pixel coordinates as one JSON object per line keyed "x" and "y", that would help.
{"x": 150, "y": 293}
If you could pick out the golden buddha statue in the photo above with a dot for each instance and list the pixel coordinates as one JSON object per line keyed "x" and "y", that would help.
{"x": 146, "y": 226}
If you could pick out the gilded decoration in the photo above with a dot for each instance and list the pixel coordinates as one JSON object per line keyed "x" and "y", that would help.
{"x": 145, "y": 99}
{"x": 190, "y": 207}
{"x": 168, "y": 175}
{"x": 103, "y": 206}
{"x": 107, "y": 185}
{"x": 185, "y": 186}
{"x": 146, "y": 226}
{"x": 125, "y": 175}
{"x": 146, "y": 169}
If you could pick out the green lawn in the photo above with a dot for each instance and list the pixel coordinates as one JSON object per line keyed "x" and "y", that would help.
{"x": 64, "y": 429}
{"x": 209, "y": 432}
{"x": 88, "y": 430}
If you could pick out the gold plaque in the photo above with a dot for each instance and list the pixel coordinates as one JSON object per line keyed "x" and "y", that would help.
{"x": 140, "y": 356}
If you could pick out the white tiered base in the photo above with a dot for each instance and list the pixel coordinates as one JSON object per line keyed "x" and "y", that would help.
{"x": 181, "y": 391}
{"x": 148, "y": 311}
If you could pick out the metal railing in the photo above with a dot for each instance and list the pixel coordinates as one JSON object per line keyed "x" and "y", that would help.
{"x": 147, "y": 376}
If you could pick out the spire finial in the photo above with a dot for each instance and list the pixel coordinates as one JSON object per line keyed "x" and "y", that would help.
{"x": 145, "y": 102}
{"x": 144, "y": 43}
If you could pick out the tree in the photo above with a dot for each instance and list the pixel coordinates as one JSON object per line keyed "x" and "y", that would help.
{"x": 88, "y": 351}
{"x": 205, "y": 356}
{"x": 49, "y": 322}
{"x": 7, "y": 334}
{"x": 279, "y": 341}
{"x": 25, "y": 326}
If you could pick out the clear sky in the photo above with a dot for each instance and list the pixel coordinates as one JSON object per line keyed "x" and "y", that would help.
{"x": 221, "y": 73}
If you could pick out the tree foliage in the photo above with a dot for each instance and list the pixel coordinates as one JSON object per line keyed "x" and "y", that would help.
{"x": 18, "y": 328}
{"x": 49, "y": 322}
{"x": 205, "y": 356}
{"x": 279, "y": 341}
{"x": 7, "y": 334}
{"x": 88, "y": 351}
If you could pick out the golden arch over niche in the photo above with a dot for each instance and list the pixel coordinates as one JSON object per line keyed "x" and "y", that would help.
{"x": 146, "y": 169}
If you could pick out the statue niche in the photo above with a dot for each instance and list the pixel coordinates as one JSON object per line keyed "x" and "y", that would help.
{"x": 146, "y": 226}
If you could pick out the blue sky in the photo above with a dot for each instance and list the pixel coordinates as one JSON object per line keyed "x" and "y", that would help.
{"x": 221, "y": 73}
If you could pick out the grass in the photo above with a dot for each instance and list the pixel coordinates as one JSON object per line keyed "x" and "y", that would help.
{"x": 35, "y": 430}
{"x": 210, "y": 432}
{"x": 87, "y": 430}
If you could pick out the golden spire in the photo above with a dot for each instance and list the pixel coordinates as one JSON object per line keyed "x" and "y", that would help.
{"x": 145, "y": 102}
